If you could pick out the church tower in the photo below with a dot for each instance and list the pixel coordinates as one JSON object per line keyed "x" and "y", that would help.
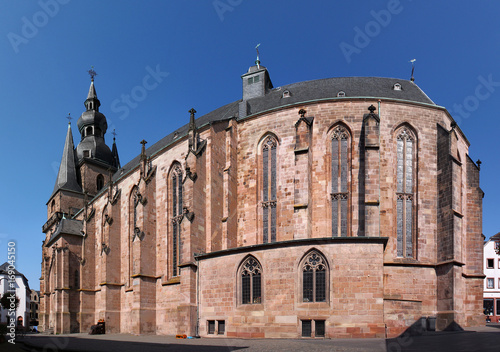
{"x": 95, "y": 159}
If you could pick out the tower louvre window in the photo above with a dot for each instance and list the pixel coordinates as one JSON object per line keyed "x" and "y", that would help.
{"x": 269, "y": 201}
{"x": 339, "y": 179}
{"x": 405, "y": 168}
{"x": 100, "y": 182}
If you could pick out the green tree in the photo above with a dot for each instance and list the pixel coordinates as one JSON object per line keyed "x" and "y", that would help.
{"x": 5, "y": 301}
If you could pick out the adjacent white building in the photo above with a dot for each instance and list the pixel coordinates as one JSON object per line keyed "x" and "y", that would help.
{"x": 22, "y": 292}
{"x": 492, "y": 280}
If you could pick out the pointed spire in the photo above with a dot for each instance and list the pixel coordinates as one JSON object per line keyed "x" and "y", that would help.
{"x": 67, "y": 177}
{"x": 114, "y": 151}
{"x": 257, "y": 62}
{"x": 192, "y": 132}
{"x": 143, "y": 149}
{"x": 92, "y": 103}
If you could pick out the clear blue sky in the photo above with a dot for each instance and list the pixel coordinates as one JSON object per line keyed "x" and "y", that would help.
{"x": 199, "y": 50}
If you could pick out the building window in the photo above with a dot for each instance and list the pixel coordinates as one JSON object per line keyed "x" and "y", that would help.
{"x": 252, "y": 80}
{"x": 490, "y": 283}
{"x": 269, "y": 201}
{"x": 341, "y": 94}
{"x": 489, "y": 263}
{"x": 100, "y": 182}
{"x": 340, "y": 180}
{"x": 319, "y": 328}
{"x": 405, "y": 199}
{"x": 306, "y": 328}
{"x": 314, "y": 277}
{"x": 488, "y": 306}
{"x": 251, "y": 288}
{"x": 176, "y": 216}
{"x": 221, "y": 327}
{"x": 396, "y": 86}
{"x": 211, "y": 327}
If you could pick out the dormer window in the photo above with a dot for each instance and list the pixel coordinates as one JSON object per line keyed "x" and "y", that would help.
{"x": 286, "y": 94}
{"x": 253, "y": 79}
{"x": 397, "y": 86}
{"x": 341, "y": 94}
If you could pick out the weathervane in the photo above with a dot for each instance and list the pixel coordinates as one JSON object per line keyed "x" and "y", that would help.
{"x": 92, "y": 73}
{"x": 114, "y": 134}
{"x": 412, "y": 69}
{"x": 69, "y": 118}
{"x": 258, "y": 60}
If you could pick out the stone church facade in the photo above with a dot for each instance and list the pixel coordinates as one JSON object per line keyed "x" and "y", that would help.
{"x": 341, "y": 207}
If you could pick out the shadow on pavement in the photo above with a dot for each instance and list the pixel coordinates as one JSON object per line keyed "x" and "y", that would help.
{"x": 75, "y": 344}
{"x": 465, "y": 341}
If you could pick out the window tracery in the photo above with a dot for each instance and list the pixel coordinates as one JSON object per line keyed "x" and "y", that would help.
{"x": 269, "y": 201}
{"x": 339, "y": 179}
{"x": 405, "y": 151}
{"x": 314, "y": 271}
{"x": 176, "y": 216}
{"x": 251, "y": 289}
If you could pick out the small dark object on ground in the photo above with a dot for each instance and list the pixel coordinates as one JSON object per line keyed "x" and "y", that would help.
{"x": 98, "y": 329}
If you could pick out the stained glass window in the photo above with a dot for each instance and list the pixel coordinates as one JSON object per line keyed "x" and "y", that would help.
{"x": 269, "y": 150}
{"x": 314, "y": 278}
{"x": 339, "y": 179}
{"x": 251, "y": 289}
{"x": 405, "y": 192}
{"x": 176, "y": 216}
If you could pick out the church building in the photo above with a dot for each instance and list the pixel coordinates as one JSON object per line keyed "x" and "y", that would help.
{"x": 339, "y": 207}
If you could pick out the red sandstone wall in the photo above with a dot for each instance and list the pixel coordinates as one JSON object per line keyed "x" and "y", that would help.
{"x": 354, "y": 307}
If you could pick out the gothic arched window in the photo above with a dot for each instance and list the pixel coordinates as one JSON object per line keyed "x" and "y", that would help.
{"x": 340, "y": 180}
{"x": 269, "y": 152}
{"x": 176, "y": 216}
{"x": 314, "y": 277}
{"x": 405, "y": 189}
{"x": 251, "y": 288}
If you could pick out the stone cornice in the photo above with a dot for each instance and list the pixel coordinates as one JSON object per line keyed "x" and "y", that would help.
{"x": 294, "y": 243}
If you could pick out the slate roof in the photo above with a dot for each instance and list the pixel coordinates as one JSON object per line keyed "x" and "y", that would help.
{"x": 67, "y": 176}
{"x": 67, "y": 227}
{"x": 4, "y": 270}
{"x": 302, "y": 92}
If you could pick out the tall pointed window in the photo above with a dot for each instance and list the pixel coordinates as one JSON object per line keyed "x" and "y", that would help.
{"x": 251, "y": 289}
{"x": 314, "y": 270}
{"x": 269, "y": 151}
{"x": 405, "y": 185}
{"x": 176, "y": 217}
{"x": 340, "y": 181}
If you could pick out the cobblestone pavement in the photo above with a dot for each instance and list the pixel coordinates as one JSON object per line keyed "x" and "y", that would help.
{"x": 474, "y": 339}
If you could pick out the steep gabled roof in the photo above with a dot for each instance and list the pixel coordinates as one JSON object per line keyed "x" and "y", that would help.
{"x": 67, "y": 176}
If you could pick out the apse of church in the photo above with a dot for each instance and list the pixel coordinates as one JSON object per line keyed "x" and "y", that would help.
{"x": 341, "y": 207}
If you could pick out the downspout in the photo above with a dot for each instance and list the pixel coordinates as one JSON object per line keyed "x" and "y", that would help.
{"x": 379, "y": 160}
{"x": 197, "y": 296}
